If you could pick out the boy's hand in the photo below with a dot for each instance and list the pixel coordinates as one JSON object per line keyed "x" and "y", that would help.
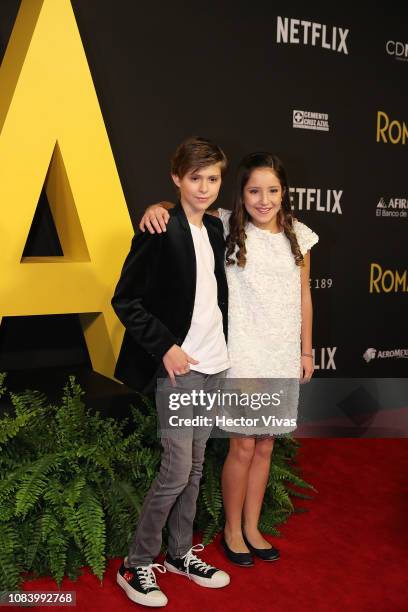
{"x": 176, "y": 361}
{"x": 155, "y": 218}
{"x": 306, "y": 369}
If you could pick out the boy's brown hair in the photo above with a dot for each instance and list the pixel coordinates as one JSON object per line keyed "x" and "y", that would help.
{"x": 194, "y": 153}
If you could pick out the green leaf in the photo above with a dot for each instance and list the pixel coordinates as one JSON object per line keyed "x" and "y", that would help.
{"x": 90, "y": 517}
{"x": 34, "y": 482}
{"x": 9, "y": 571}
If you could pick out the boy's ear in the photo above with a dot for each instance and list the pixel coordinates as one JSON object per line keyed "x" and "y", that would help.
{"x": 176, "y": 180}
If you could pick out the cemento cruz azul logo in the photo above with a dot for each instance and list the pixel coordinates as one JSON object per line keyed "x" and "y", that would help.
{"x": 310, "y": 120}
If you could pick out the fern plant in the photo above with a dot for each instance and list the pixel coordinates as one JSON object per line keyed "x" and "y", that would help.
{"x": 72, "y": 484}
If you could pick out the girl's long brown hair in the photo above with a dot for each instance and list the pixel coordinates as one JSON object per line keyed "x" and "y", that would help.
{"x": 239, "y": 216}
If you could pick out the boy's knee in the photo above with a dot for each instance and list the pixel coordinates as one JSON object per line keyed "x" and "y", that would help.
{"x": 176, "y": 462}
{"x": 176, "y": 476}
{"x": 198, "y": 452}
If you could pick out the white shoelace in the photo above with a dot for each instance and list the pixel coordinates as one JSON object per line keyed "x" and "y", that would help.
{"x": 147, "y": 576}
{"x": 191, "y": 559}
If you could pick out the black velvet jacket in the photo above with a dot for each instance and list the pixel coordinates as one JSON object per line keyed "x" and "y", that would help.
{"x": 154, "y": 298}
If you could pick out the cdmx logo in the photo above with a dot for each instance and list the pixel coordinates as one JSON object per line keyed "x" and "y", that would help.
{"x": 395, "y": 132}
{"x": 385, "y": 281}
{"x": 397, "y": 49}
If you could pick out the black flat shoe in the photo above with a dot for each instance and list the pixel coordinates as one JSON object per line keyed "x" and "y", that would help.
{"x": 242, "y": 559}
{"x": 266, "y": 554}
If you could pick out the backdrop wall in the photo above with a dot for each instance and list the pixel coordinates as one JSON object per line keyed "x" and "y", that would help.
{"x": 323, "y": 87}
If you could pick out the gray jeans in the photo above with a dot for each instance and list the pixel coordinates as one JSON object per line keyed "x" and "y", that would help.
{"x": 173, "y": 494}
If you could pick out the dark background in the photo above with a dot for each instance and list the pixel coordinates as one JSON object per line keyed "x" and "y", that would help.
{"x": 164, "y": 71}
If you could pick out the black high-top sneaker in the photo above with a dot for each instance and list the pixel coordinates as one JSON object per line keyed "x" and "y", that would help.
{"x": 139, "y": 584}
{"x": 196, "y": 569}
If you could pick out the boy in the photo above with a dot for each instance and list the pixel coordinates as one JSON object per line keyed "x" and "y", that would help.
{"x": 172, "y": 299}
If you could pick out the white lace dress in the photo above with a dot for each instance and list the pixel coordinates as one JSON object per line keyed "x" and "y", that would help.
{"x": 264, "y": 317}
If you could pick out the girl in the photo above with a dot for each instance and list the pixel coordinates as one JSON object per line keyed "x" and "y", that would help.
{"x": 269, "y": 330}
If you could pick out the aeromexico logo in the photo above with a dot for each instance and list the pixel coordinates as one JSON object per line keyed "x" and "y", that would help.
{"x": 302, "y": 32}
{"x": 372, "y": 353}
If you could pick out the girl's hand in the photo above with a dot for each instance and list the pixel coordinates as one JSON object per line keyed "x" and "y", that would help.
{"x": 155, "y": 219}
{"x": 306, "y": 369}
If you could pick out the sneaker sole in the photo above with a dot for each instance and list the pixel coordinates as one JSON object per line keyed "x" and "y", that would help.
{"x": 137, "y": 597}
{"x": 200, "y": 581}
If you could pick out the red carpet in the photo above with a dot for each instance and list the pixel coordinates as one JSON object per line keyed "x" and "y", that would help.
{"x": 349, "y": 552}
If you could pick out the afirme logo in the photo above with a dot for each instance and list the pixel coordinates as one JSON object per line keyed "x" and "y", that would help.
{"x": 320, "y": 200}
{"x": 372, "y": 353}
{"x": 323, "y": 358}
{"x": 398, "y": 50}
{"x": 308, "y": 120}
{"x": 394, "y": 207}
{"x": 395, "y": 132}
{"x": 300, "y": 32}
{"x": 385, "y": 281}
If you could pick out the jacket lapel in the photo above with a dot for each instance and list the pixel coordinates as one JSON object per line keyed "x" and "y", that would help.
{"x": 181, "y": 216}
{"x": 217, "y": 243}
